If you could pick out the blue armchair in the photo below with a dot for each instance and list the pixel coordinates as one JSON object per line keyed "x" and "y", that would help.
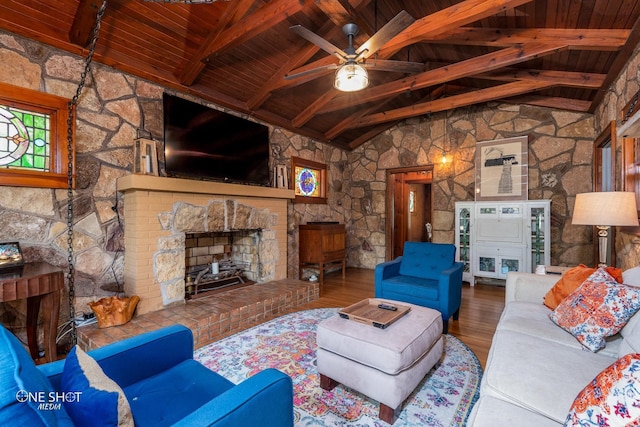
{"x": 162, "y": 382}
{"x": 427, "y": 275}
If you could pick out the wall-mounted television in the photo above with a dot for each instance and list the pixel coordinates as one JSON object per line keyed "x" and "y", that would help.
{"x": 205, "y": 143}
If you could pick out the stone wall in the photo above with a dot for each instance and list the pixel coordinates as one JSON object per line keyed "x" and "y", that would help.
{"x": 113, "y": 110}
{"x": 560, "y": 156}
{"x": 610, "y": 109}
{"x": 114, "y": 106}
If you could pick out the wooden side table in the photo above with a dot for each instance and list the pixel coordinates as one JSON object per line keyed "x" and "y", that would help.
{"x": 40, "y": 283}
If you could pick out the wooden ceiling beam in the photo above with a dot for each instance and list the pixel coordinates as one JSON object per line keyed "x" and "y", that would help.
{"x": 341, "y": 13}
{"x": 233, "y": 13}
{"x": 338, "y": 14}
{"x": 618, "y": 64}
{"x": 444, "y": 20}
{"x": 580, "y": 39}
{"x": 602, "y": 40}
{"x": 452, "y": 102}
{"x": 345, "y": 123}
{"x": 371, "y": 133}
{"x": 275, "y": 81}
{"x": 463, "y": 13}
{"x": 308, "y": 113}
{"x": 559, "y": 78}
{"x": 250, "y": 26}
{"x": 470, "y": 67}
{"x": 84, "y": 20}
{"x": 550, "y": 102}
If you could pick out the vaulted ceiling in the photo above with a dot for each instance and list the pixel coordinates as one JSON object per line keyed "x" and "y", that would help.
{"x": 561, "y": 54}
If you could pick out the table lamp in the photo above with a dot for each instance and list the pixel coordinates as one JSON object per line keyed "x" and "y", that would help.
{"x": 605, "y": 209}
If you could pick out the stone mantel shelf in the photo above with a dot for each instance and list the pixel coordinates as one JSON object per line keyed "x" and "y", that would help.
{"x": 178, "y": 185}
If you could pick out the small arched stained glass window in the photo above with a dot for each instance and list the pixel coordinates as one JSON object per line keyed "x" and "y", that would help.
{"x": 24, "y": 139}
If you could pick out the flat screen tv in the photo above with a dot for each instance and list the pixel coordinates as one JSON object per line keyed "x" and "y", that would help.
{"x": 204, "y": 143}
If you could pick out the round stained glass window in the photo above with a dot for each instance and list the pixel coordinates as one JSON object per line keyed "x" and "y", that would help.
{"x": 307, "y": 182}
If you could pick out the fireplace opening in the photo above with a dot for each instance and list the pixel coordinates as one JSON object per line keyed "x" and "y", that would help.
{"x": 219, "y": 260}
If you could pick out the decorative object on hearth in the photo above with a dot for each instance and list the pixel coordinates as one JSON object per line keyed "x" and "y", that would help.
{"x": 280, "y": 177}
{"x": 351, "y": 74}
{"x": 10, "y": 255}
{"x": 605, "y": 209}
{"x": 444, "y": 397}
{"x": 145, "y": 157}
{"x": 217, "y": 275}
{"x": 114, "y": 311}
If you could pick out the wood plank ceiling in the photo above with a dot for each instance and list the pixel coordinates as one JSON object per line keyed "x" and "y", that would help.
{"x": 561, "y": 54}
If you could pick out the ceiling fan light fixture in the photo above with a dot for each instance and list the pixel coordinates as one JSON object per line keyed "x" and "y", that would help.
{"x": 351, "y": 77}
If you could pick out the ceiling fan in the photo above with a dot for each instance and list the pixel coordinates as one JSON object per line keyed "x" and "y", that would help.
{"x": 352, "y": 74}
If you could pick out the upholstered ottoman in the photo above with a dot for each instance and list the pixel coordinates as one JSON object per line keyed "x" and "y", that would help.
{"x": 384, "y": 364}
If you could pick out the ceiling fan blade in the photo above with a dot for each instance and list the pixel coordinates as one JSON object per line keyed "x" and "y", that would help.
{"x": 391, "y": 29}
{"x": 301, "y": 72}
{"x": 319, "y": 41}
{"x": 397, "y": 66}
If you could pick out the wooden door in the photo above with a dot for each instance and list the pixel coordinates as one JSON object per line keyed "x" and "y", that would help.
{"x": 409, "y": 207}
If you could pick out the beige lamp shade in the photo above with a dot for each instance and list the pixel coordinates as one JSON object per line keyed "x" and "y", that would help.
{"x": 612, "y": 208}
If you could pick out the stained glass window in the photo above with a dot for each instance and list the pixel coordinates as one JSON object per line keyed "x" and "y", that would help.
{"x": 24, "y": 139}
{"x": 34, "y": 148}
{"x": 309, "y": 180}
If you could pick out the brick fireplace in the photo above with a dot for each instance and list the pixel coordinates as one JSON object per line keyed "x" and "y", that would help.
{"x": 161, "y": 212}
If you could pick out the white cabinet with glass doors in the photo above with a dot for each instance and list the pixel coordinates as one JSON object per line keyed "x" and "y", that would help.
{"x": 494, "y": 238}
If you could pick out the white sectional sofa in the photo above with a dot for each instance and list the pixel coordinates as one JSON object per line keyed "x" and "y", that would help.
{"x": 535, "y": 369}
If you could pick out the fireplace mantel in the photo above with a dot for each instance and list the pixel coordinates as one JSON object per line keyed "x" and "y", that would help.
{"x": 178, "y": 185}
{"x": 158, "y": 211}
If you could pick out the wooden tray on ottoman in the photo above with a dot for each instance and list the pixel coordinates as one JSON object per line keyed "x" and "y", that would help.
{"x": 367, "y": 311}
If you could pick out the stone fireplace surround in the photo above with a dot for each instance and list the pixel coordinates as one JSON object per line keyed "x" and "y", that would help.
{"x": 159, "y": 211}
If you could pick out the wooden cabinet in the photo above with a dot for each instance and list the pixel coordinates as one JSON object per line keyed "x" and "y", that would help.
{"x": 322, "y": 245}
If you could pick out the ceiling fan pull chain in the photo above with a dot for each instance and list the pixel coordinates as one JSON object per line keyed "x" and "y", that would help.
{"x": 70, "y": 172}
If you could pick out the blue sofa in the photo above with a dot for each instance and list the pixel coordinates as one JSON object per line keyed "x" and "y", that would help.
{"x": 426, "y": 274}
{"x": 162, "y": 382}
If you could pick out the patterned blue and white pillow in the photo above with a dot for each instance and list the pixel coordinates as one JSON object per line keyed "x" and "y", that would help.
{"x": 100, "y": 401}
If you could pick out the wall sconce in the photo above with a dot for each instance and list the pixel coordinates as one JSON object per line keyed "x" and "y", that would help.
{"x": 444, "y": 157}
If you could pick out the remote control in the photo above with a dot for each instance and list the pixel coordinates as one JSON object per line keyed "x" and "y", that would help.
{"x": 387, "y": 307}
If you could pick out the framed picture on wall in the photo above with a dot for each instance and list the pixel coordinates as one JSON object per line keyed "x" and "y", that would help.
{"x": 308, "y": 180}
{"x": 10, "y": 255}
{"x": 502, "y": 169}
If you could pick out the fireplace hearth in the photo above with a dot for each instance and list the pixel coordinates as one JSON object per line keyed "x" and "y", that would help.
{"x": 161, "y": 215}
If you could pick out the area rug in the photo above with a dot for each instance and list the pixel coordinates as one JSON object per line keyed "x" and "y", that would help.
{"x": 288, "y": 343}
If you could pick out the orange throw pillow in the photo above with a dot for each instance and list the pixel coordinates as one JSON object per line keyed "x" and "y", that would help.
{"x": 570, "y": 281}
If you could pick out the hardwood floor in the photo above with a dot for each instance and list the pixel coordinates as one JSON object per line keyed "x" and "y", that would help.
{"x": 481, "y": 306}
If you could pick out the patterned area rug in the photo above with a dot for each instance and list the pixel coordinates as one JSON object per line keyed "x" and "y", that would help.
{"x": 288, "y": 343}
